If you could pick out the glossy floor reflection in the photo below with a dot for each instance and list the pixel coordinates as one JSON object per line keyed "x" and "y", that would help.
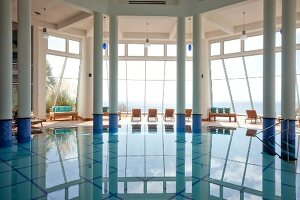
{"x": 147, "y": 162}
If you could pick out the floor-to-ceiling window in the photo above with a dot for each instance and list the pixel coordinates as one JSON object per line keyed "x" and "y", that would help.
{"x": 236, "y": 68}
{"x": 63, "y": 63}
{"x": 147, "y": 77}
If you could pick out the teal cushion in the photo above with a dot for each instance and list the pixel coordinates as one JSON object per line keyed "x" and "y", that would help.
{"x": 227, "y": 110}
{"x": 62, "y": 131}
{"x": 63, "y": 108}
{"x": 213, "y": 110}
{"x": 105, "y": 109}
{"x": 54, "y": 108}
{"x": 68, "y": 108}
{"x": 220, "y": 110}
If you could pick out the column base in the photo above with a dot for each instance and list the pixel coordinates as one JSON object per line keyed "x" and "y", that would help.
{"x": 24, "y": 130}
{"x": 269, "y": 136}
{"x": 113, "y": 123}
{"x": 180, "y": 123}
{"x": 6, "y": 133}
{"x": 197, "y": 123}
{"x": 288, "y": 136}
{"x": 97, "y": 123}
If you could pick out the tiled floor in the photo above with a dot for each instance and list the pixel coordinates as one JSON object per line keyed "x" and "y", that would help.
{"x": 146, "y": 161}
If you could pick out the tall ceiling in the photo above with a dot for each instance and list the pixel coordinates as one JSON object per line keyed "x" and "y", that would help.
{"x": 63, "y": 16}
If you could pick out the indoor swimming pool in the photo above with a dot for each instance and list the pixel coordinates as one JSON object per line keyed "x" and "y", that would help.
{"x": 147, "y": 161}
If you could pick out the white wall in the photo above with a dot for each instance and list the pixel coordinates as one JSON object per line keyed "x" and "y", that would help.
{"x": 39, "y": 46}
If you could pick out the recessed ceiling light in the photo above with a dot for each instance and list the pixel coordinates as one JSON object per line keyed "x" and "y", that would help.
{"x": 36, "y": 13}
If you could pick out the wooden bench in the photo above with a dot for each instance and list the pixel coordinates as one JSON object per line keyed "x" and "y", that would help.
{"x": 220, "y": 112}
{"x": 63, "y": 111}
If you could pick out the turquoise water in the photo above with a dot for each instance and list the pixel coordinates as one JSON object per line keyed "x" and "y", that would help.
{"x": 146, "y": 162}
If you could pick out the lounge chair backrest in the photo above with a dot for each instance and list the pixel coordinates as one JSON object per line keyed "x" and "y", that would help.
{"x": 152, "y": 112}
{"x": 136, "y": 112}
{"x": 105, "y": 109}
{"x": 213, "y": 110}
{"x": 169, "y": 112}
{"x": 188, "y": 112}
{"x": 251, "y": 113}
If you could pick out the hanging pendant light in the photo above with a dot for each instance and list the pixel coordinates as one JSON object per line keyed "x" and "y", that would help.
{"x": 104, "y": 45}
{"x": 244, "y": 35}
{"x": 45, "y": 33}
{"x": 190, "y": 46}
{"x": 147, "y": 43}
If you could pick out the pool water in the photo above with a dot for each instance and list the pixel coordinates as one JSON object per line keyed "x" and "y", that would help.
{"x": 147, "y": 162}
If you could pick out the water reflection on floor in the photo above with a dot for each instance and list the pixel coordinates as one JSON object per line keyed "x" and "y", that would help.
{"x": 146, "y": 161}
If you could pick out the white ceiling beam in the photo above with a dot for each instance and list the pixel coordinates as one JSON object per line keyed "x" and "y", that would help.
{"x": 40, "y": 23}
{"x": 73, "y": 20}
{"x": 173, "y": 32}
{"x": 151, "y": 36}
{"x": 223, "y": 25}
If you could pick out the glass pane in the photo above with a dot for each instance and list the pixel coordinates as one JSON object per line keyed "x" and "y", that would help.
{"x": 254, "y": 65}
{"x": 171, "y": 50}
{"x": 136, "y": 93}
{"x": 155, "y": 70}
{"x": 254, "y": 43}
{"x": 235, "y": 68}
{"x": 154, "y": 95}
{"x": 220, "y": 93}
{"x": 217, "y": 70}
{"x": 74, "y": 46}
{"x": 72, "y": 68}
{"x": 68, "y": 92}
{"x": 298, "y": 62}
{"x": 278, "y": 39}
{"x": 171, "y": 70}
{"x": 215, "y": 49}
{"x": 106, "y": 69}
{"x": 156, "y": 50}
{"x": 122, "y": 105}
{"x": 136, "y": 49}
{"x": 154, "y": 166}
{"x": 189, "y": 53}
{"x": 278, "y": 95}
{"x": 105, "y": 93}
{"x": 122, "y": 70}
{"x": 170, "y": 94}
{"x": 256, "y": 88}
{"x": 278, "y": 63}
{"x": 240, "y": 95}
{"x": 189, "y": 70}
{"x": 136, "y": 70}
{"x": 188, "y": 94}
{"x": 57, "y": 43}
{"x": 121, "y": 49}
{"x": 54, "y": 65}
{"x": 232, "y": 46}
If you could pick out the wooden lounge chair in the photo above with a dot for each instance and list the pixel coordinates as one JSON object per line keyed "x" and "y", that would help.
{"x": 252, "y": 115}
{"x": 136, "y": 113}
{"x": 152, "y": 113}
{"x": 169, "y": 113}
{"x": 188, "y": 113}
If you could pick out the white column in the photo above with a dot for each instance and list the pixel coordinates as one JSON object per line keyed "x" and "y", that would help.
{"x": 113, "y": 64}
{"x": 98, "y": 62}
{"x": 180, "y": 65}
{"x": 196, "y": 64}
{"x": 5, "y": 60}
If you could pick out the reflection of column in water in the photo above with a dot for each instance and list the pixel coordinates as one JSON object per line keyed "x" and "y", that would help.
{"x": 23, "y": 191}
{"x": 180, "y": 166}
{"x": 39, "y": 162}
{"x": 85, "y": 171}
{"x": 97, "y": 165}
{"x": 6, "y": 177}
{"x": 201, "y": 146}
{"x": 288, "y": 180}
{"x": 268, "y": 172}
{"x": 113, "y": 165}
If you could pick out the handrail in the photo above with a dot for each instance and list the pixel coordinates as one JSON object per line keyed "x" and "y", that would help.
{"x": 271, "y": 126}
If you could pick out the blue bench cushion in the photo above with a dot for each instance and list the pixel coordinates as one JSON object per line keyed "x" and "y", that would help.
{"x": 61, "y": 108}
{"x": 220, "y": 110}
{"x": 227, "y": 110}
